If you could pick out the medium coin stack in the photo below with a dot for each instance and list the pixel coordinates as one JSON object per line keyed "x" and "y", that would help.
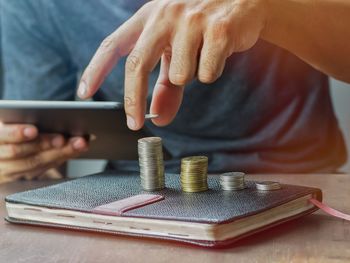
{"x": 194, "y": 174}
{"x": 151, "y": 163}
{"x": 232, "y": 181}
{"x": 268, "y": 186}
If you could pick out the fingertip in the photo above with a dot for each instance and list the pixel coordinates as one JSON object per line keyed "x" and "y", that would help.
{"x": 178, "y": 79}
{"x": 133, "y": 124}
{"x": 82, "y": 90}
{"x": 79, "y": 144}
{"x": 161, "y": 122}
{"x": 165, "y": 117}
{"x": 207, "y": 77}
{"x": 30, "y": 132}
{"x": 130, "y": 121}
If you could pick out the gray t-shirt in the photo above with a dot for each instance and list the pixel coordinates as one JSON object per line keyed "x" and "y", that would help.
{"x": 269, "y": 112}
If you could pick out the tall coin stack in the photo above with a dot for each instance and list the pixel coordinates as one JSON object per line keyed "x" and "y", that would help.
{"x": 194, "y": 174}
{"x": 151, "y": 163}
{"x": 232, "y": 181}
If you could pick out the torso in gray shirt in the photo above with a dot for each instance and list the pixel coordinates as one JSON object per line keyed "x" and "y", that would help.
{"x": 269, "y": 112}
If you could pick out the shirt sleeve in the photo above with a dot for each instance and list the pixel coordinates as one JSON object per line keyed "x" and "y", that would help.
{"x": 36, "y": 64}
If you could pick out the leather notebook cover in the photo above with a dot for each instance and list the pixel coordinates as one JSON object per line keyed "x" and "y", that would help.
{"x": 120, "y": 195}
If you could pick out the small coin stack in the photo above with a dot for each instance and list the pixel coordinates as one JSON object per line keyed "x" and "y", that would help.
{"x": 194, "y": 174}
{"x": 232, "y": 181}
{"x": 268, "y": 186}
{"x": 151, "y": 163}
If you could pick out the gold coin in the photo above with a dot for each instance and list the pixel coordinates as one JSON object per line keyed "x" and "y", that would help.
{"x": 194, "y": 176}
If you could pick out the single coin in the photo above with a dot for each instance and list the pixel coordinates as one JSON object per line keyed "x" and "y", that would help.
{"x": 150, "y": 116}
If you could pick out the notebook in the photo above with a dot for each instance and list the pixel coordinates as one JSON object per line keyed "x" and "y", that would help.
{"x": 115, "y": 203}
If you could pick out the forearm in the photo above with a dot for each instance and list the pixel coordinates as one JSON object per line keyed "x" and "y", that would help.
{"x": 316, "y": 31}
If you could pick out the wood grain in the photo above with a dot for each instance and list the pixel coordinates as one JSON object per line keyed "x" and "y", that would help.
{"x": 314, "y": 238}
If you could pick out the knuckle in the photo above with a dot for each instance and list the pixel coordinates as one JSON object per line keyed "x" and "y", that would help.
{"x": 12, "y": 151}
{"x": 15, "y": 133}
{"x": 107, "y": 42}
{"x": 34, "y": 162}
{"x": 193, "y": 17}
{"x": 238, "y": 42}
{"x": 134, "y": 62}
{"x": 147, "y": 7}
{"x": 220, "y": 29}
{"x": 173, "y": 7}
{"x": 129, "y": 102}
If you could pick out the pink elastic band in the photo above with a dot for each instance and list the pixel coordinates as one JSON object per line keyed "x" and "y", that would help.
{"x": 117, "y": 208}
{"x": 325, "y": 208}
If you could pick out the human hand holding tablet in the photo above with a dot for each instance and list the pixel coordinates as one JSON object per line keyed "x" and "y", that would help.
{"x": 24, "y": 153}
{"x": 36, "y": 136}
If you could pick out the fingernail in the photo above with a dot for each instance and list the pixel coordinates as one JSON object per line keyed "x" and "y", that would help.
{"x": 78, "y": 144}
{"x": 82, "y": 90}
{"x": 131, "y": 122}
{"x": 30, "y": 132}
{"x": 57, "y": 142}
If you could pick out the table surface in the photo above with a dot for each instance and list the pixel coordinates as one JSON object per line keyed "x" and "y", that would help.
{"x": 313, "y": 238}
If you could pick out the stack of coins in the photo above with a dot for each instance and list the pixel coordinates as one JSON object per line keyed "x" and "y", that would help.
{"x": 232, "y": 181}
{"x": 151, "y": 163}
{"x": 268, "y": 186}
{"x": 194, "y": 174}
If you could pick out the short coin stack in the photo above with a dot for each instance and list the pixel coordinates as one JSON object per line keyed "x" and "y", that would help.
{"x": 194, "y": 174}
{"x": 151, "y": 163}
{"x": 232, "y": 181}
{"x": 268, "y": 186}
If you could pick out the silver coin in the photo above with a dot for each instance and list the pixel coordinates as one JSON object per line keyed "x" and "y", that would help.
{"x": 268, "y": 186}
{"x": 232, "y": 181}
{"x": 151, "y": 163}
{"x": 151, "y": 116}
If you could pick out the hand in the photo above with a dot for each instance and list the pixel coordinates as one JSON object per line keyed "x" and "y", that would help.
{"x": 192, "y": 38}
{"x": 24, "y": 153}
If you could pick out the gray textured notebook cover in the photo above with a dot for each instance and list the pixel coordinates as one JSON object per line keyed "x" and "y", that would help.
{"x": 214, "y": 206}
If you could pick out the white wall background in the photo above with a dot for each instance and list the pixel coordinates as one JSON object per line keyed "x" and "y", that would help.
{"x": 341, "y": 100}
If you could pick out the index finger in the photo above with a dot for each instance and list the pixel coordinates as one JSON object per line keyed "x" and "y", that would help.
{"x": 112, "y": 48}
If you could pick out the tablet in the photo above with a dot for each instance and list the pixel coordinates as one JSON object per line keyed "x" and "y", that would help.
{"x": 105, "y": 122}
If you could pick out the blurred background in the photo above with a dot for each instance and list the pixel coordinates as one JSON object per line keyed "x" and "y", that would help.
{"x": 341, "y": 100}
{"x": 340, "y": 93}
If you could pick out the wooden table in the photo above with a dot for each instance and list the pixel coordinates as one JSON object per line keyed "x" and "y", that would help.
{"x": 314, "y": 238}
